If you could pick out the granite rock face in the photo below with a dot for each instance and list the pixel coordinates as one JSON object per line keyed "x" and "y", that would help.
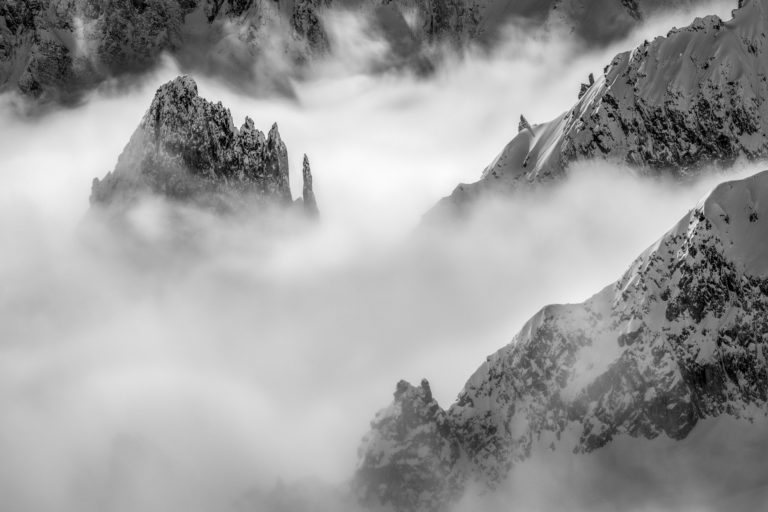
{"x": 188, "y": 149}
{"x": 57, "y": 50}
{"x": 672, "y": 106}
{"x": 679, "y": 338}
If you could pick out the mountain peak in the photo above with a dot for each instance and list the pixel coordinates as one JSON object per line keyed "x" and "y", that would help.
{"x": 179, "y": 86}
{"x": 736, "y": 210}
{"x": 187, "y": 148}
{"x": 679, "y": 338}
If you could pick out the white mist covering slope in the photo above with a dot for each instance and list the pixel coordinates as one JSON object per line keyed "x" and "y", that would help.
{"x": 719, "y": 466}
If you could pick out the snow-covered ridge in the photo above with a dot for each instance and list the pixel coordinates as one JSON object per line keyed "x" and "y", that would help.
{"x": 679, "y": 338}
{"x": 693, "y": 97}
{"x": 188, "y": 149}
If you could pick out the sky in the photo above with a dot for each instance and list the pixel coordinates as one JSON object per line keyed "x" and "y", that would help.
{"x": 247, "y": 356}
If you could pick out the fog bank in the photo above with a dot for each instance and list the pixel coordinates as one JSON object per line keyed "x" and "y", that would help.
{"x": 169, "y": 380}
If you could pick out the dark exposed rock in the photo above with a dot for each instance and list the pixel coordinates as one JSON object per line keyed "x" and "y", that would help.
{"x": 676, "y": 105}
{"x": 307, "y": 24}
{"x": 679, "y": 338}
{"x": 585, "y": 87}
{"x": 57, "y": 50}
{"x": 188, "y": 149}
{"x": 53, "y": 51}
{"x": 409, "y": 457}
{"x": 308, "y": 194}
{"x": 524, "y": 124}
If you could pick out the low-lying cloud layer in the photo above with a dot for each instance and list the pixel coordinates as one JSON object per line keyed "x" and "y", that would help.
{"x": 170, "y": 379}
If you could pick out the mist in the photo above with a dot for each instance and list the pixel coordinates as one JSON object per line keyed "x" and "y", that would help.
{"x": 719, "y": 466}
{"x": 165, "y": 379}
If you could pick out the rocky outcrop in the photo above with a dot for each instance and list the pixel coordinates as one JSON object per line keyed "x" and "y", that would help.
{"x": 188, "y": 149}
{"x": 672, "y": 106}
{"x": 308, "y": 195}
{"x": 408, "y": 460}
{"x": 679, "y": 338}
{"x": 306, "y": 23}
{"x": 57, "y": 50}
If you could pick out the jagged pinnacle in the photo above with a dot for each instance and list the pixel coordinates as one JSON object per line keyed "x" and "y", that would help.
{"x": 525, "y": 125}
{"x": 188, "y": 149}
{"x": 308, "y": 194}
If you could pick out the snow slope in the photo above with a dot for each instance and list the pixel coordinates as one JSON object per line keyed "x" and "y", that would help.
{"x": 680, "y": 338}
{"x": 188, "y": 149}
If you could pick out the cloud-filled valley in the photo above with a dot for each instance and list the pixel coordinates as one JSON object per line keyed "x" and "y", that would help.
{"x": 230, "y": 355}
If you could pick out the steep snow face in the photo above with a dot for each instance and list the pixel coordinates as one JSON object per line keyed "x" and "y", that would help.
{"x": 188, "y": 149}
{"x": 679, "y": 338}
{"x": 671, "y": 105}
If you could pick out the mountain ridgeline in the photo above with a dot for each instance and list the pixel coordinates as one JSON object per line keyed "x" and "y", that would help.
{"x": 187, "y": 149}
{"x": 672, "y": 106}
{"x": 678, "y": 339}
{"x": 58, "y": 50}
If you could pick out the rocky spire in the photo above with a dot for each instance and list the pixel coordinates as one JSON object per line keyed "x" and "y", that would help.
{"x": 524, "y": 125}
{"x": 188, "y": 149}
{"x": 277, "y": 165}
{"x": 410, "y": 455}
{"x": 585, "y": 87}
{"x": 308, "y": 195}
